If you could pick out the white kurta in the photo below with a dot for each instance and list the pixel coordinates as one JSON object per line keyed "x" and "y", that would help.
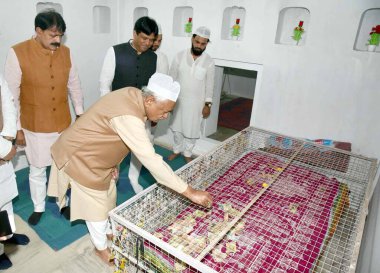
{"x": 196, "y": 78}
{"x": 8, "y": 187}
{"x": 162, "y": 62}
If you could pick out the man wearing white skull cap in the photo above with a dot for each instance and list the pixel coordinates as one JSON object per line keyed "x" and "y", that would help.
{"x": 194, "y": 70}
{"x": 86, "y": 155}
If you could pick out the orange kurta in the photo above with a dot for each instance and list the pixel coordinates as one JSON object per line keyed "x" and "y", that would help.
{"x": 44, "y": 105}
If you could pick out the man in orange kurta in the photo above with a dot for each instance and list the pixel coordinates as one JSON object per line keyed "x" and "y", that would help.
{"x": 41, "y": 75}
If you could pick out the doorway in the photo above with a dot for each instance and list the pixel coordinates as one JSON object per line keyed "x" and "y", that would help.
{"x": 234, "y": 97}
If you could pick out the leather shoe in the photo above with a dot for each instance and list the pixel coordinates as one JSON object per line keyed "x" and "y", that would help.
{"x": 35, "y": 218}
{"x": 5, "y": 263}
{"x": 17, "y": 239}
{"x": 65, "y": 211}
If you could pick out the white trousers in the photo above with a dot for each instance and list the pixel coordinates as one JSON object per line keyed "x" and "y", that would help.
{"x": 37, "y": 184}
{"x": 183, "y": 144}
{"x": 135, "y": 165}
{"x": 98, "y": 233}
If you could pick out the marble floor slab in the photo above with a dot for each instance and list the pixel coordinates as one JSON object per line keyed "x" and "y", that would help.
{"x": 38, "y": 257}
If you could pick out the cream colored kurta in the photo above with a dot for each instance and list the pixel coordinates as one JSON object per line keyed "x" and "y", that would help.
{"x": 196, "y": 78}
{"x": 99, "y": 203}
{"x": 8, "y": 187}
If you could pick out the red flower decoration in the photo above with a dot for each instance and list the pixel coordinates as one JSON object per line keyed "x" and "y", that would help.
{"x": 237, "y": 21}
{"x": 377, "y": 29}
{"x": 300, "y": 24}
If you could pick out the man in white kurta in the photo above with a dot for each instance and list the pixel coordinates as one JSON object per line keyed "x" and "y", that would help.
{"x": 194, "y": 70}
{"x": 162, "y": 59}
{"x": 45, "y": 90}
{"x": 8, "y": 186}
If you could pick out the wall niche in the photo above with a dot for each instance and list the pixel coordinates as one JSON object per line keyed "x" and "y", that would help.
{"x": 369, "y": 19}
{"x": 101, "y": 18}
{"x": 139, "y": 12}
{"x": 233, "y": 23}
{"x": 183, "y": 21}
{"x": 49, "y": 5}
{"x": 290, "y": 18}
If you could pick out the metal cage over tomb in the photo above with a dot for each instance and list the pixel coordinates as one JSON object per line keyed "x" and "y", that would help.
{"x": 280, "y": 205}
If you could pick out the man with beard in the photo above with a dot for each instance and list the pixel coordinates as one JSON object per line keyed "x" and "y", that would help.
{"x": 131, "y": 64}
{"x": 41, "y": 74}
{"x": 194, "y": 70}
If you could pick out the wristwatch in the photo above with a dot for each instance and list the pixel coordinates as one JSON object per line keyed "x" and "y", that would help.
{"x": 208, "y": 104}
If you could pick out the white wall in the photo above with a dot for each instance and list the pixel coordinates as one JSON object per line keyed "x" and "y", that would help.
{"x": 324, "y": 89}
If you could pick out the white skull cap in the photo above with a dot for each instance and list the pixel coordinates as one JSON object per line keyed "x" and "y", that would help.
{"x": 203, "y": 32}
{"x": 159, "y": 29}
{"x": 164, "y": 86}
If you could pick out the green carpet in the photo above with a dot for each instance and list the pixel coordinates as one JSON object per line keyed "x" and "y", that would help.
{"x": 53, "y": 228}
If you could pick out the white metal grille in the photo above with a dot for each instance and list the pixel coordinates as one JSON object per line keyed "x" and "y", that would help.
{"x": 280, "y": 205}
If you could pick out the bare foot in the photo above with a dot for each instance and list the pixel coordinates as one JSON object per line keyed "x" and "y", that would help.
{"x": 109, "y": 237}
{"x": 173, "y": 156}
{"x": 105, "y": 255}
{"x": 188, "y": 159}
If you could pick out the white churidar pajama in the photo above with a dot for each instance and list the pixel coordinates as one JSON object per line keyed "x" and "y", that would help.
{"x": 8, "y": 186}
{"x": 98, "y": 231}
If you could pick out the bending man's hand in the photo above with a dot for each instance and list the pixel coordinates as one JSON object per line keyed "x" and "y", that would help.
{"x": 202, "y": 198}
{"x": 115, "y": 173}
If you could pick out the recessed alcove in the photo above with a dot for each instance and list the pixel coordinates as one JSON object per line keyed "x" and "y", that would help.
{"x": 233, "y": 23}
{"x": 49, "y": 5}
{"x": 369, "y": 19}
{"x": 181, "y": 18}
{"x": 101, "y": 17}
{"x": 289, "y": 18}
{"x": 139, "y": 12}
